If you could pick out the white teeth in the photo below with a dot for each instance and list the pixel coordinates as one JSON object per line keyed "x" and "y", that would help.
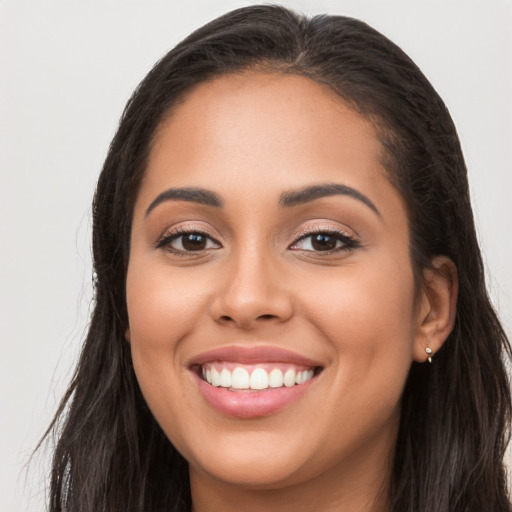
{"x": 225, "y": 378}
{"x": 289, "y": 378}
{"x": 215, "y": 377}
{"x": 240, "y": 378}
{"x": 259, "y": 379}
{"x": 275, "y": 378}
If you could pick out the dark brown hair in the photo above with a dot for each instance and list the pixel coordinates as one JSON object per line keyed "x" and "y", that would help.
{"x": 112, "y": 456}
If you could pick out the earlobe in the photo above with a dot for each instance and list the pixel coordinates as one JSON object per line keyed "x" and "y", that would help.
{"x": 436, "y": 312}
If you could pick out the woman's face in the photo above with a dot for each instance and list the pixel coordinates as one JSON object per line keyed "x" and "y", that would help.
{"x": 270, "y": 291}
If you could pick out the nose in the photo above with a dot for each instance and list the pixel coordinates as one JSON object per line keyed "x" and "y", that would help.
{"x": 252, "y": 293}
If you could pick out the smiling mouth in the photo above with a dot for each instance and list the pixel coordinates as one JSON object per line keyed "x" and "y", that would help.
{"x": 258, "y": 377}
{"x": 252, "y": 382}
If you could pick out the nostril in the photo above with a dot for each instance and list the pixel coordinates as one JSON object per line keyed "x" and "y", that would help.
{"x": 226, "y": 319}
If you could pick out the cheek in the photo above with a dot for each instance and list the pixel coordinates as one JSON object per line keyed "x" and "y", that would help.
{"x": 161, "y": 306}
{"x": 367, "y": 314}
{"x": 162, "y": 310}
{"x": 363, "y": 297}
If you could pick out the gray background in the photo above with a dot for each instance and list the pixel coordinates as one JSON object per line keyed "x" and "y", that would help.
{"x": 66, "y": 71}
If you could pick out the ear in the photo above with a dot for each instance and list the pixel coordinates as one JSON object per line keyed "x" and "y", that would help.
{"x": 437, "y": 307}
{"x": 127, "y": 335}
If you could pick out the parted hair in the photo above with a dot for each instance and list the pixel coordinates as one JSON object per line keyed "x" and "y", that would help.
{"x": 110, "y": 453}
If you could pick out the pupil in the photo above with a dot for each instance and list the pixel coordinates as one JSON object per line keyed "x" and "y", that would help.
{"x": 194, "y": 242}
{"x": 322, "y": 242}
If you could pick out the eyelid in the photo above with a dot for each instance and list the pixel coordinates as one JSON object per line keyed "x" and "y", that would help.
{"x": 349, "y": 241}
{"x": 314, "y": 229}
{"x": 184, "y": 229}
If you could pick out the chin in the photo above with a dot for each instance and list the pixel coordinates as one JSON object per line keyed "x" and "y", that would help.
{"x": 254, "y": 471}
{"x": 254, "y": 460}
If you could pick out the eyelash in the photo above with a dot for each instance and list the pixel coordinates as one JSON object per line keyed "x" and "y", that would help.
{"x": 168, "y": 238}
{"x": 348, "y": 242}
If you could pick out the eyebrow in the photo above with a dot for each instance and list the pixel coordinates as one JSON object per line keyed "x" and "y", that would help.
{"x": 287, "y": 199}
{"x": 191, "y": 194}
{"x": 308, "y": 194}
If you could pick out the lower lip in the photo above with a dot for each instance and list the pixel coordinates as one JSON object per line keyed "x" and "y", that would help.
{"x": 251, "y": 404}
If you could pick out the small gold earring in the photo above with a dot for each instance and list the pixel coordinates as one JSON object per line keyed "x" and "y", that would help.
{"x": 429, "y": 352}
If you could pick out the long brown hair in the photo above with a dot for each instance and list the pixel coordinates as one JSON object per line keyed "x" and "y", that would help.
{"x": 112, "y": 456}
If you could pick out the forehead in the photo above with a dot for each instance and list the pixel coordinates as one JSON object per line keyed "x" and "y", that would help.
{"x": 271, "y": 122}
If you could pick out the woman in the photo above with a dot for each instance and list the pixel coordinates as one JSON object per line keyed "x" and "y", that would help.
{"x": 290, "y": 302}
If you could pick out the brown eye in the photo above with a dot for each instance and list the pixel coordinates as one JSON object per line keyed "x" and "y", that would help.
{"x": 323, "y": 242}
{"x": 193, "y": 242}
{"x": 187, "y": 242}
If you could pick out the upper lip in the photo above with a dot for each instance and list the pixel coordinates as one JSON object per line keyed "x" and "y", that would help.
{"x": 253, "y": 355}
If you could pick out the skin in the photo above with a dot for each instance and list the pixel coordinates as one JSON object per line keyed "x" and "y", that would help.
{"x": 249, "y": 138}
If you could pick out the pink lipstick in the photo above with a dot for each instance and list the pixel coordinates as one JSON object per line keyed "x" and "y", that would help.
{"x": 248, "y": 382}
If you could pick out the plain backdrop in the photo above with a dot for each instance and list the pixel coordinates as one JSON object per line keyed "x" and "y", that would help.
{"x": 66, "y": 71}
